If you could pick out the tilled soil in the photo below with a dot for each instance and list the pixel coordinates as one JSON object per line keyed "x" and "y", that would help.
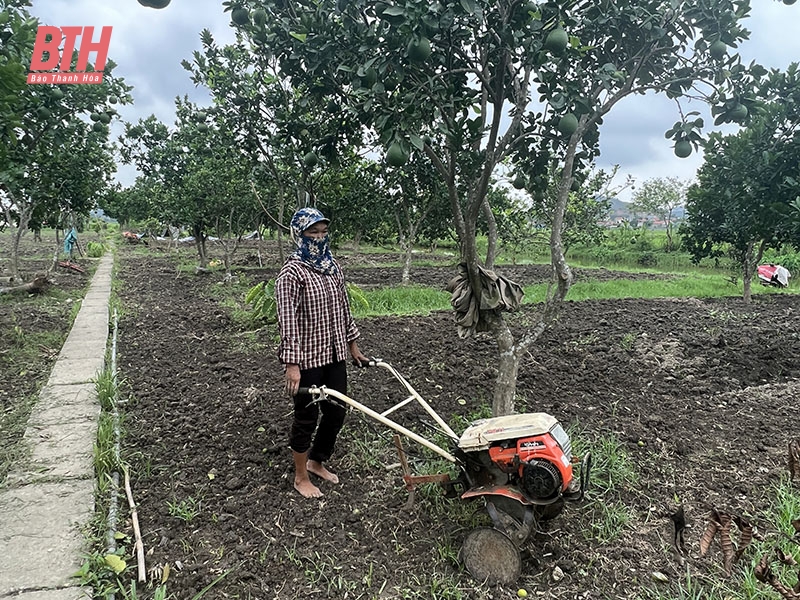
{"x": 699, "y": 395}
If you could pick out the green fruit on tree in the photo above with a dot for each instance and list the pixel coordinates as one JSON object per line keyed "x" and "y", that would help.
{"x": 259, "y": 16}
{"x": 683, "y": 149}
{"x": 98, "y": 127}
{"x": 105, "y": 118}
{"x": 200, "y": 116}
{"x": 789, "y": 2}
{"x": 419, "y": 50}
{"x": 519, "y": 182}
{"x": 304, "y": 133}
{"x": 239, "y": 100}
{"x": 568, "y": 124}
{"x": 240, "y": 15}
{"x": 738, "y": 113}
{"x": 57, "y": 94}
{"x": 396, "y": 156}
{"x": 718, "y": 50}
{"x": 370, "y": 78}
{"x": 202, "y": 128}
{"x": 94, "y": 116}
{"x": 332, "y": 107}
{"x": 43, "y": 112}
{"x": 113, "y": 99}
{"x": 556, "y": 41}
{"x": 310, "y": 160}
{"x": 154, "y": 3}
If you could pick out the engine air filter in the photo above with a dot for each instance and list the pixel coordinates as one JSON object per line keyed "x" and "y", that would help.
{"x": 541, "y": 480}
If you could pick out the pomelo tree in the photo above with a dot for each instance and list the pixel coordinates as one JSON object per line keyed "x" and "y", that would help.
{"x": 416, "y": 193}
{"x": 40, "y": 128}
{"x": 199, "y": 170}
{"x": 747, "y": 187}
{"x": 471, "y": 84}
{"x": 285, "y": 129}
{"x": 136, "y": 202}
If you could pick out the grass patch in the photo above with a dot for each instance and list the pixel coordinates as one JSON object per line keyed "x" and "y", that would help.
{"x": 604, "y": 518}
{"x": 679, "y": 286}
{"x": 403, "y": 300}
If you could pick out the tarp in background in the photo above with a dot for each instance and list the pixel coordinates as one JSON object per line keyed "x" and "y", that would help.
{"x": 774, "y": 274}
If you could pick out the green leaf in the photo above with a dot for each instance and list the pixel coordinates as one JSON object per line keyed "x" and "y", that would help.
{"x": 298, "y": 36}
{"x": 395, "y": 11}
{"x": 416, "y": 141}
{"x": 468, "y": 6}
{"x": 115, "y": 563}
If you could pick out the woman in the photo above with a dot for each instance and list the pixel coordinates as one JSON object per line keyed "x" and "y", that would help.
{"x": 317, "y": 332}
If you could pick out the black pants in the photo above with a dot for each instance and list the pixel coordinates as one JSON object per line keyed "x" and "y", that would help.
{"x": 306, "y": 414}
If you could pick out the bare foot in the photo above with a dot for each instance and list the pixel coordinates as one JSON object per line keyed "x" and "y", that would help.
{"x": 306, "y": 488}
{"x": 317, "y": 468}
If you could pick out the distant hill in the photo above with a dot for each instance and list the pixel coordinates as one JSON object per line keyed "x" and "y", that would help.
{"x": 621, "y": 211}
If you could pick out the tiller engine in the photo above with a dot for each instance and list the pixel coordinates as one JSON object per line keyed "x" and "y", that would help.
{"x": 522, "y": 467}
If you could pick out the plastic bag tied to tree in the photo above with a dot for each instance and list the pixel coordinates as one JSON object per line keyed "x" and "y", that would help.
{"x": 496, "y": 293}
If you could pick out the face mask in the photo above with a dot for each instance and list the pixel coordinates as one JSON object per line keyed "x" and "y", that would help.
{"x": 316, "y": 252}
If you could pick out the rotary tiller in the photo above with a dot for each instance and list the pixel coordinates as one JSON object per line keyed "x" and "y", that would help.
{"x": 521, "y": 466}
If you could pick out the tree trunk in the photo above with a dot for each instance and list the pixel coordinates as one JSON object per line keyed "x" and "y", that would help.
{"x": 22, "y": 227}
{"x": 747, "y": 294}
{"x": 39, "y": 285}
{"x": 491, "y": 236}
{"x": 509, "y": 351}
{"x": 505, "y": 385}
{"x": 200, "y": 244}
{"x": 406, "y": 277}
{"x": 749, "y": 266}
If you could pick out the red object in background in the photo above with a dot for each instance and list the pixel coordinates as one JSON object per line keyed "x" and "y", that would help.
{"x": 773, "y": 275}
{"x": 767, "y": 271}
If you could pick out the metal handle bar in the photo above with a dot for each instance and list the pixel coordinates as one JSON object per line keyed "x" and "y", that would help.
{"x": 414, "y": 396}
{"x": 377, "y": 362}
{"x": 321, "y": 393}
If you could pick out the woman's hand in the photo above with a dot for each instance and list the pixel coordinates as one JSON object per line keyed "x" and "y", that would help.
{"x": 358, "y": 357}
{"x": 292, "y": 379}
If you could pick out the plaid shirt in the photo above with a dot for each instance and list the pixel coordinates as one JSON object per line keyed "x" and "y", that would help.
{"x": 313, "y": 315}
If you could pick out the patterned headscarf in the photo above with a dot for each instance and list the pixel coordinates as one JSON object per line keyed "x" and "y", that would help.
{"x": 316, "y": 253}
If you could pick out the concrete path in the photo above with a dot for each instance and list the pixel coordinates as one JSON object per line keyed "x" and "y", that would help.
{"x": 48, "y": 499}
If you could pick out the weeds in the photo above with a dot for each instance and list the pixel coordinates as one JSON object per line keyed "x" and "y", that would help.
{"x": 95, "y": 249}
{"x": 185, "y": 510}
{"x": 604, "y": 519}
{"x": 628, "y": 341}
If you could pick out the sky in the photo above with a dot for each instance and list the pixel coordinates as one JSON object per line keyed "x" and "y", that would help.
{"x": 149, "y": 44}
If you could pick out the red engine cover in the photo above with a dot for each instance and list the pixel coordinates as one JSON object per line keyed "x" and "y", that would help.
{"x": 543, "y": 447}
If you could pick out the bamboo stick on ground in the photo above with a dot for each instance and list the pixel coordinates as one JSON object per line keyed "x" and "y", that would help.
{"x": 136, "y": 533}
